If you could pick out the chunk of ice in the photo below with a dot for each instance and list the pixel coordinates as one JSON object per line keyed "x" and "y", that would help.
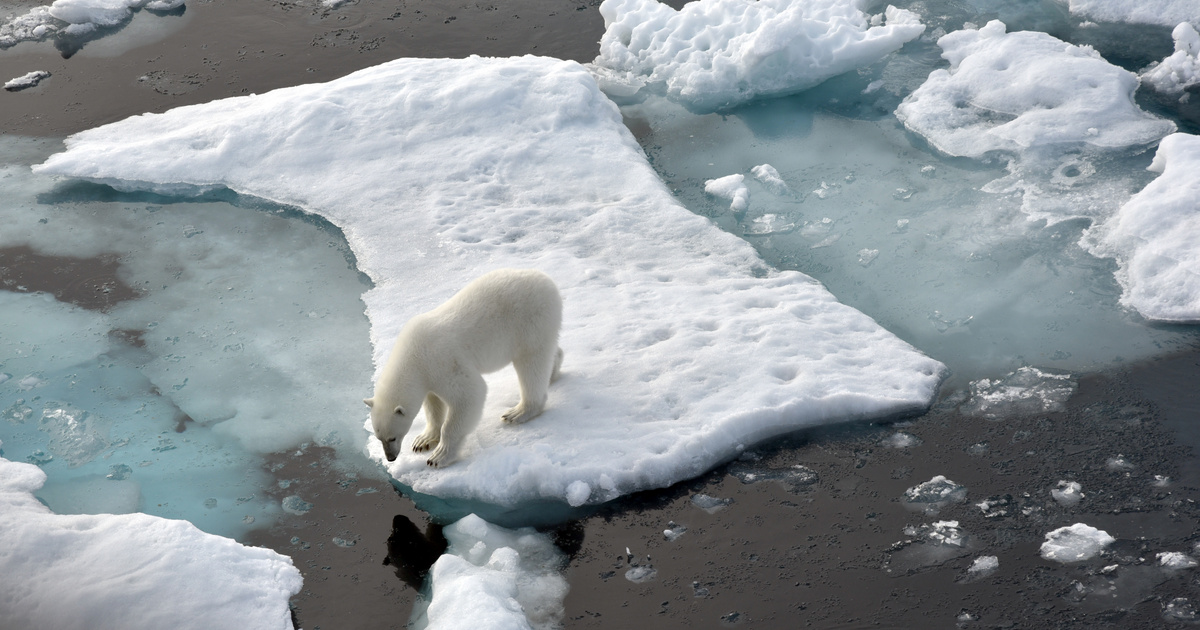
{"x": 1025, "y": 391}
{"x": 1181, "y": 70}
{"x": 710, "y": 504}
{"x": 984, "y": 565}
{"x": 1075, "y": 543}
{"x": 1068, "y": 493}
{"x": 28, "y": 80}
{"x": 731, "y": 187}
{"x": 1176, "y": 560}
{"x": 934, "y": 494}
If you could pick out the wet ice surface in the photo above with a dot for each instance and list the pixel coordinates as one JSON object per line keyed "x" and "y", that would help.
{"x": 163, "y": 403}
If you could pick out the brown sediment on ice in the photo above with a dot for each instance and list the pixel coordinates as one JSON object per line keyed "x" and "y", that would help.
{"x": 91, "y": 283}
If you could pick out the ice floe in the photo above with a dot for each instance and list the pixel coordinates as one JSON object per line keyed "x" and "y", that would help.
{"x": 1161, "y": 12}
{"x": 1068, "y": 493}
{"x": 75, "y": 19}
{"x": 27, "y": 80}
{"x": 1075, "y": 543}
{"x": 128, "y": 571}
{"x": 681, "y": 346}
{"x": 1027, "y": 390}
{"x": 1181, "y": 70}
{"x": 716, "y": 54}
{"x": 492, "y": 577}
{"x": 1153, "y": 239}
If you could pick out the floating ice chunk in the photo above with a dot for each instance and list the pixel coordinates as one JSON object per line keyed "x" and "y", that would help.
{"x": 768, "y": 224}
{"x": 1118, "y": 464}
{"x": 1161, "y": 12}
{"x": 129, "y": 571}
{"x": 709, "y": 503}
{"x": 1017, "y": 92}
{"x": 731, "y": 187}
{"x": 1068, "y": 493}
{"x": 998, "y": 506}
{"x": 1180, "y": 610}
{"x": 640, "y": 574}
{"x": 27, "y": 80}
{"x": 946, "y": 533}
{"x": 1181, "y": 70}
{"x": 75, "y": 18}
{"x": 293, "y": 504}
{"x": 1027, "y": 390}
{"x": 984, "y": 565}
{"x": 673, "y": 531}
{"x": 680, "y": 343}
{"x": 1075, "y": 543}
{"x": 769, "y": 177}
{"x": 1152, "y": 236}
{"x": 1176, "y": 560}
{"x": 715, "y": 54}
{"x": 867, "y": 256}
{"x": 795, "y": 477}
{"x": 901, "y": 439}
{"x": 492, "y": 577}
{"x": 934, "y": 494}
{"x": 578, "y": 493}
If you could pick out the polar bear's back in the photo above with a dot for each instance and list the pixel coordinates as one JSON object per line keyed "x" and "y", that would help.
{"x": 501, "y": 315}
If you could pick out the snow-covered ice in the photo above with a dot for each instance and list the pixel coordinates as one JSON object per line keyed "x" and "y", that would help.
{"x": 984, "y": 565}
{"x": 128, "y": 571}
{"x": 1181, "y": 70}
{"x": 1153, "y": 239}
{"x": 1176, "y": 560}
{"x": 769, "y": 177}
{"x": 1162, "y": 12}
{"x": 492, "y": 577}
{"x": 27, "y": 80}
{"x": 681, "y": 345}
{"x": 76, "y": 19}
{"x": 731, "y": 187}
{"x": 1075, "y": 543}
{"x": 715, "y": 54}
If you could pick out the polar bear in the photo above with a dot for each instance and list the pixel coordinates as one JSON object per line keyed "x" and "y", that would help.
{"x": 440, "y": 357}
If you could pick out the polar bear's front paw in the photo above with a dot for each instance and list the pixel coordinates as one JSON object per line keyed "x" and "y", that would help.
{"x": 520, "y": 414}
{"x": 424, "y": 442}
{"x": 440, "y": 457}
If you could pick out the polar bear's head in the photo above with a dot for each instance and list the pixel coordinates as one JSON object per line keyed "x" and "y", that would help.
{"x": 390, "y": 422}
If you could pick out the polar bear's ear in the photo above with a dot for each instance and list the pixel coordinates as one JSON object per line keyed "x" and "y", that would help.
{"x": 370, "y": 402}
{"x": 399, "y": 411}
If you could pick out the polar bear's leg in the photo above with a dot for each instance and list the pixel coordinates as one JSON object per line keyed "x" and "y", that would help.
{"x": 464, "y": 407}
{"x": 435, "y": 416}
{"x": 558, "y": 357}
{"x": 534, "y": 374}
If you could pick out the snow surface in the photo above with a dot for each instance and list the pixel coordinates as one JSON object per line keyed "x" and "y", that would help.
{"x": 1075, "y": 543}
{"x": 1153, "y": 236}
{"x": 681, "y": 346}
{"x": 75, "y": 18}
{"x": 495, "y": 578}
{"x": 1181, "y": 70}
{"x": 129, "y": 571}
{"x": 1017, "y": 92}
{"x": 27, "y": 80}
{"x": 1161, "y": 12}
{"x": 715, "y": 54}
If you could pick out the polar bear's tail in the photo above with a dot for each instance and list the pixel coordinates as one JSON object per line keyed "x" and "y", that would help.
{"x": 557, "y": 365}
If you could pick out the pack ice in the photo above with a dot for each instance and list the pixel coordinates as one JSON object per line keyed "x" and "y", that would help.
{"x": 715, "y": 54}
{"x": 128, "y": 571}
{"x": 75, "y": 18}
{"x": 682, "y": 347}
{"x": 1161, "y": 12}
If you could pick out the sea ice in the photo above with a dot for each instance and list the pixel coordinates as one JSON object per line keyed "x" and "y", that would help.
{"x": 1075, "y": 543}
{"x": 731, "y": 187}
{"x": 681, "y": 345}
{"x": 1068, "y": 493}
{"x": 934, "y": 494}
{"x": 901, "y": 439}
{"x": 492, "y": 577}
{"x": 715, "y": 54}
{"x": 1162, "y": 12}
{"x": 77, "y": 19}
{"x": 709, "y": 503}
{"x": 1027, "y": 390}
{"x": 128, "y": 571}
{"x": 1176, "y": 560}
{"x": 770, "y": 178}
{"x": 1181, "y": 70}
{"x": 984, "y": 565}
{"x": 27, "y": 80}
{"x": 1153, "y": 236}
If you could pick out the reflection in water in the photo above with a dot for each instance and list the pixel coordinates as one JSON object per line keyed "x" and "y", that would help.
{"x": 412, "y": 552}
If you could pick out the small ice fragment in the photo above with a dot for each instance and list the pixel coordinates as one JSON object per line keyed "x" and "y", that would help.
{"x": 901, "y": 439}
{"x": 578, "y": 493}
{"x": 1176, "y": 560}
{"x": 4, "y": 376}
{"x": 903, "y": 194}
{"x": 1180, "y": 609}
{"x": 119, "y": 472}
{"x": 1075, "y": 543}
{"x": 928, "y": 170}
{"x": 362, "y": 491}
{"x": 731, "y": 187}
{"x": 1027, "y": 390}
{"x": 1161, "y": 481}
{"x": 873, "y": 86}
{"x": 30, "y": 382}
{"x": 1118, "y": 464}
{"x": 769, "y": 177}
{"x": 346, "y": 540}
{"x": 699, "y": 591}
{"x": 26, "y": 80}
{"x": 979, "y": 448}
{"x": 826, "y": 191}
{"x": 708, "y": 503}
{"x": 673, "y": 531}
{"x": 947, "y": 534}
{"x": 640, "y": 574}
{"x": 984, "y": 565}
{"x": 934, "y": 494}
{"x": 1068, "y": 493}
{"x": 295, "y": 505}
{"x": 867, "y": 256}
{"x": 997, "y": 506}
{"x": 768, "y": 224}
{"x": 901, "y": 225}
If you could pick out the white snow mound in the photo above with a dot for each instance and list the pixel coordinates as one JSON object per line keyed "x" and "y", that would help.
{"x": 1022, "y": 91}
{"x": 128, "y": 571}
{"x": 715, "y": 54}
{"x": 1075, "y": 543}
{"x": 681, "y": 346}
{"x": 1181, "y": 69}
{"x": 1153, "y": 236}
{"x": 1161, "y": 12}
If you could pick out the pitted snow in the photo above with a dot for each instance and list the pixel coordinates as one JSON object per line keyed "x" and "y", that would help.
{"x": 715, "y": 54}
{"x": 128, "y": 571}
{"x": 680, "y": 345}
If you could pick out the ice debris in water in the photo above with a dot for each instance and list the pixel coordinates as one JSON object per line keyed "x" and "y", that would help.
{"x": 27, "y": 80}
{"x": 1118, "y": 464}
{"x": 934, "y": 494}
{"x": 1176, "y": 560}
{"x": 640, "y": 574}
{"x": 75, "y": 19}
{"x": 770, "y": 179}
{"x": 998, "y": 506}
{"x": 795, "y": 477}
{"x": 731, "y": 187}
{"x": 715, "y": 54}
{"x": 710, "y": 504}
{"x": 940, "y": 533}
{"x": 578, "y": 493}
{"x": 984, "y": 565}
{"x": 293, "y": 504}
{"x": 1075, "y": 543}
{"x": 1181, "y": 70}
{"x": 673, "y": 531}
{"x": 1028, "y": 390}
{"x": 493, "y": 577}
{"x": 1068, "y": 493}
{"x": 867, "y": 256}
{"x": 901, "y": 439}
{"x": 1180, "y": 610}
{"x": 768, "y": 224}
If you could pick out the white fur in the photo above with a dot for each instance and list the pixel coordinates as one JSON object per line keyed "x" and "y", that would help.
{"x": 505, "y": 316}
